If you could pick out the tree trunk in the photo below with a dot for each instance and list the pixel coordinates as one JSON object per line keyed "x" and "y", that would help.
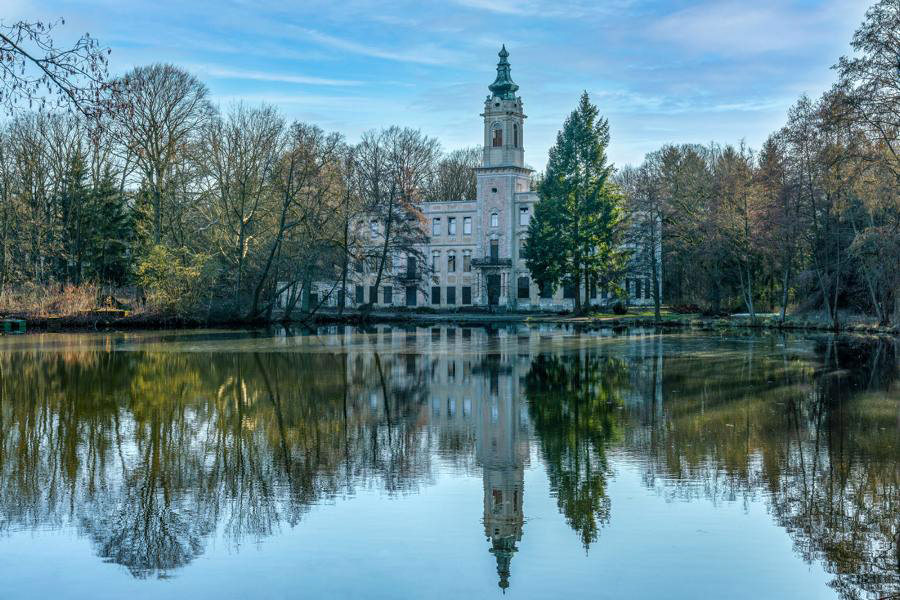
{"x": 785, "y": 282}
{"x": 654, "y": 273}
{"x": 366, "y": 307}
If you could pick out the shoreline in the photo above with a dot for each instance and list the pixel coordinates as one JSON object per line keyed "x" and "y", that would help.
{"x": 81, "y": 323}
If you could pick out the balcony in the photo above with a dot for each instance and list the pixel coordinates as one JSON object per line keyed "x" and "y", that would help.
{"x": 491, "y": 261}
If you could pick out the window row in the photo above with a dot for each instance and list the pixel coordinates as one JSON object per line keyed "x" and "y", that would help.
{"x": 395, "y": 264}
{"x": 451, "y": 261}
{"x": 451, "y": 226}
{"x": 450, "y": 295}
{"x": 524, "y": 217}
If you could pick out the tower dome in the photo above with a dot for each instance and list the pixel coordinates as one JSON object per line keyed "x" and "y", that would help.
{"x": 503, "y": 86}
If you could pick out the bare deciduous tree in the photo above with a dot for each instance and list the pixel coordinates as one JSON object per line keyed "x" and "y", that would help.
{"x": 36, "y": 73}
{"x": 168, "y": 107}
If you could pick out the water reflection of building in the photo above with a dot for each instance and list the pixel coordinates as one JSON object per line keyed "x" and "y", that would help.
{"x": 480, "y": 394}
{"x": 475, "y": 407}
{"x": 501, "y": 450}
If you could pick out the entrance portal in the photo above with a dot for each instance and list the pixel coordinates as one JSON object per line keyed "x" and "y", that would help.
{"x": 493, "y": 289}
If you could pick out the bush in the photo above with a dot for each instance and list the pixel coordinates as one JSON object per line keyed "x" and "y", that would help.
{"x": 619, "y": 308}
{"x": 175, "y": 281}
{"x": 685, "y": 309}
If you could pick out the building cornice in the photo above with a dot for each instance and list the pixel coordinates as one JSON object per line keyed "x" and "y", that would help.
{"x": 498, "y": 168}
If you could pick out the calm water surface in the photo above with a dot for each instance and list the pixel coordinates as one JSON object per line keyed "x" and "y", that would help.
{"x": 448, "y": 463}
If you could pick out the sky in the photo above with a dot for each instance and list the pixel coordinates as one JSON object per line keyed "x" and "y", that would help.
{"x": 679, "y": 71}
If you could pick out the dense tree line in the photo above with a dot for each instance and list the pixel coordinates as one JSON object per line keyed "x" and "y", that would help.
{"x": 207, "y": 210}
{"x": 225, "y": 212}
{"x": 811, "y": 220}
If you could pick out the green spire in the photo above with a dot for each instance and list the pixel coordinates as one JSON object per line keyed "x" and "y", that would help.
{"x": 503, "y": 87}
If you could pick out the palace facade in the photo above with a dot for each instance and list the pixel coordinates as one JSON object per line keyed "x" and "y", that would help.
{"x": 475, "y": 249}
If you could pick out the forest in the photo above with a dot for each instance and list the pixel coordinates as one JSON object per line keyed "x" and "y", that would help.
{"x": 140, "y": 183}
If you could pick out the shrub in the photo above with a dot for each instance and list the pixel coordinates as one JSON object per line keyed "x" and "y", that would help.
{"x": 174, "y": 280}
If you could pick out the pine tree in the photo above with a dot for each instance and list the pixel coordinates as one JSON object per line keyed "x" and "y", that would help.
{"x": 575, "y": 235}
{"x": 111, "y": 233}
{"x": 75, "y": 219}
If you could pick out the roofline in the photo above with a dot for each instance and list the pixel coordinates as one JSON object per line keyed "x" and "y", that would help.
{"x": 508, "y": 167}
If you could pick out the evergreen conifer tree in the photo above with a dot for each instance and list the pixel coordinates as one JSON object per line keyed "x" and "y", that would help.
{"x": 575, "y": 235}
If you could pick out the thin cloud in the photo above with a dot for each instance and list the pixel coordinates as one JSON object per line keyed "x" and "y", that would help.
{"x": 222, "y": 73}
{"x": 426, "y": 55}
{"x": 576, "y": 9}
{"x": 741, "y": 28}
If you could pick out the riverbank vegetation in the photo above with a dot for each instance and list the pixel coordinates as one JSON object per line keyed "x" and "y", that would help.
{"x": 148, "y": 198}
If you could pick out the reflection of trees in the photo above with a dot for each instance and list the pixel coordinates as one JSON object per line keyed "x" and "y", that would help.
{"x": 147, "y": 453}
{"x": 821, "y": 442}
{"x": 574, "y": 401}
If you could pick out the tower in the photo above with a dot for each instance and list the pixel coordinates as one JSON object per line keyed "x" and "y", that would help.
{"x": 503, "y": 186}
{"x": 503, "y": 120}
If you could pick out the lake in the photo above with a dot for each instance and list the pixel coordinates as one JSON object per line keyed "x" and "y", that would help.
{"x": 445, "y": 462}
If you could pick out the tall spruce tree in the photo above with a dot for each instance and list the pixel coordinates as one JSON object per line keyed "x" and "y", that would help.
{"x": 575, "y": 235}
{"x": 111, "y": 234}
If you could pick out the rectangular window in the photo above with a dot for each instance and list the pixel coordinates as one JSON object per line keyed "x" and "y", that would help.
{"x": 546, "y": 291}
{"x": 435, "y": 261}
{"x": 523, "y": 216}
{"x": 436, "y": 226}
{"x": 388, "y": 292}
{"x": 569, "y": 292}
{"x": 435, "y": 295}
{"x": 358, "y": 265}
{"x": 648, "y": 290}
{"x": 373, "y": 294}
{"x": 637, "y": 288}
{"x": 360, "y": 294}
{"x": 467, "y": 225}
{"x": 451, "y": 262}
{"x": 467, "y": 261}
{"x": 411, "y": 267}
{"x": 497, "y": 140}
{"x": 411, "y": 295}
{"x": 451, "y": 295}
{"x": 466, "y": 295}
{"x": 495, "y": 220}
{"x": 524, "y": 288}
{"x": 451, "y": 225}
{"x": 495, "y": 250}
{"x": 373, "y": 227}
{"x": 593, "y": 290}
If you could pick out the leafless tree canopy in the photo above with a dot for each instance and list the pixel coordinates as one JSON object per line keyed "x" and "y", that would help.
{"x": 35, "y": 73}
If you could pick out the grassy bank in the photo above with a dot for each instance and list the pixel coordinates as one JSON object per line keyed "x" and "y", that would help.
{"x": 89, "y": 308}
{"x": 668, "y": 319}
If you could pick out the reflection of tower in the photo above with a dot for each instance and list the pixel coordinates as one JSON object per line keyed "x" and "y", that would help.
{"x": 501, "y": 450}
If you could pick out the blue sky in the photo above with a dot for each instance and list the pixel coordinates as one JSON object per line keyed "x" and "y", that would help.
{"x": 678, "y": 71}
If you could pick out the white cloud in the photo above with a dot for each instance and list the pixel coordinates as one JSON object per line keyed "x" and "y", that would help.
{"x": 573, "y": 9}
{"x": 735, "y": 28}
{"x": 427, "y": 55}
{"x": 223, "y": 73}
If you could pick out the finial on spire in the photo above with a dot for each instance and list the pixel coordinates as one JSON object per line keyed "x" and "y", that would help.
{"x": 503, "y": 86}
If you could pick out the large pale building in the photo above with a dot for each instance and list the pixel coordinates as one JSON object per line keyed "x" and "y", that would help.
{"x": 475, "y": 248}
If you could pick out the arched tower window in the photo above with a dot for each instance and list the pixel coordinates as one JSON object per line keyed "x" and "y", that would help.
{"x": 515, "y": 135}
{"x": 496, "y": 135}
